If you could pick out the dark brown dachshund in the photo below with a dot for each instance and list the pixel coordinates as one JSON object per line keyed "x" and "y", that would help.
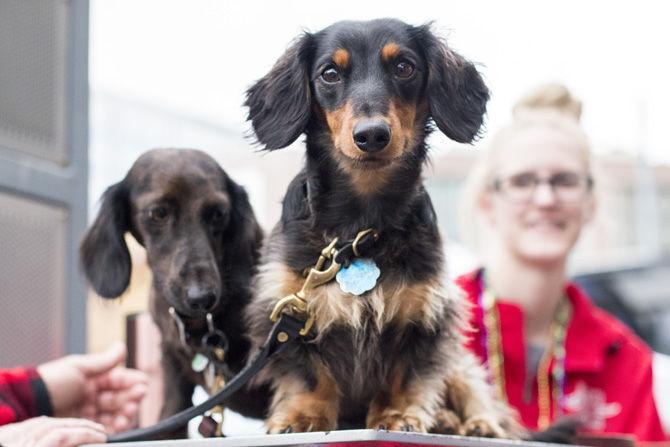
{"x": 366, "y": 95}
{"x": 202, "y": 243}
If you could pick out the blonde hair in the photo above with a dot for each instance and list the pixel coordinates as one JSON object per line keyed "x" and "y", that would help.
{"x": 549, "y": 106}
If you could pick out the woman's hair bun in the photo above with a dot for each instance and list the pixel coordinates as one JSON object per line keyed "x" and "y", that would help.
{"x": 549, "y": 97}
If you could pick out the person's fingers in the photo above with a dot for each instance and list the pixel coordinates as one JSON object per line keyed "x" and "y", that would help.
{"x": 89, "y": 410}
{"x": 121, "y": 423}
{"x": 117, "y": 422}
{"x": 65, "y": 436}
{"x": 119, "y": 378}
{"x": 58, "y": 431}
{"x": 109, "y": 401}
{"x": 103, "y": 361}
{"x": 122, "y": 419}
{"x": 90, "y": 391}
{"x": 137, "y": 392}
{"x": 42, "y": 425}
{"x": 78, "y": 422}
{"x": 130, "y": 410}
{"x": 106, "y": 419}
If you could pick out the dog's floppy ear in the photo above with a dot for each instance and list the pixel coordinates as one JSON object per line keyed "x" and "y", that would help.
{"x": 280, "y": 102}
{"x": 244, "y": 232}
{"x": 103, "y": 252}
{"x": 456, "y": 92}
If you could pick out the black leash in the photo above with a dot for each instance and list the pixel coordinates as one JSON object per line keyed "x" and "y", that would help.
{"x": 284, "y": 331}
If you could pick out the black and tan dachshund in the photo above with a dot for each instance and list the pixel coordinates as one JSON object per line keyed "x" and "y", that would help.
{"x": 202, "y": 243}
{"x": 366, "y": 95}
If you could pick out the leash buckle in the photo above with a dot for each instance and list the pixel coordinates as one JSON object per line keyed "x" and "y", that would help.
{"x": 211, "y": 424}
{"x": 315, "y": 278}
{"x": 299, "y": 306}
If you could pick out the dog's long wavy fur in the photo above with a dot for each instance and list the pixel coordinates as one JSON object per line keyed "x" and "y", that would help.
{"x": 393, "y": 357}
{"x": 207, "y": 238}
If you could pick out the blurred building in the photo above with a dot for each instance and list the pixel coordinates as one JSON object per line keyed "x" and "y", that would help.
{"x": 43, "y": 172}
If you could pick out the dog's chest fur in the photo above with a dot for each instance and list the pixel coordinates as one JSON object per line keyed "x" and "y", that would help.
{"x": 360, "y": 362}
{"x": 387, "y": 331}
{"x": 361, "y": 339}
{"x": 365, "y": 342}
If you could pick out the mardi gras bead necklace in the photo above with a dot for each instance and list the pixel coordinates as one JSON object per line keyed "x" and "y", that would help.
{"x": 552, "y": 362}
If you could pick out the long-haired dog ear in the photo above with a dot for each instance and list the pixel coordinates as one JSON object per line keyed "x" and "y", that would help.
{"x": 103, "y": 252}
{"x": 456, "y": 92}
{"x": 279, "y": 103}
{"x": 244, "y": 230}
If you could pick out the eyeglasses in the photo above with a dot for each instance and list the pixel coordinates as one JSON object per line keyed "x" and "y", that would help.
{"x": 567, "y": 186}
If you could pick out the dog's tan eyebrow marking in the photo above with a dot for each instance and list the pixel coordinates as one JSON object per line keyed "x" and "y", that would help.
{"x": 341, "y": 57}
{"x": 390, "y": 51}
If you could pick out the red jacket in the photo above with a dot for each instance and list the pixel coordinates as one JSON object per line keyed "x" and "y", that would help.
{"x": 608, "y": 375}
{"x": 22, "y": 395}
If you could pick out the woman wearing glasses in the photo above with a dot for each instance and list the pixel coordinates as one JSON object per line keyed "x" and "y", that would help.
{"x": 549, "y": 351}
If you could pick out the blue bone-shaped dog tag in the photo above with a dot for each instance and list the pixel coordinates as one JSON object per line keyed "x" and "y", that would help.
{"x": 359, "y": 277}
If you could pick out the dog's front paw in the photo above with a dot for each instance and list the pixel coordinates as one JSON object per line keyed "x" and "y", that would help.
{"x": 446, "y": 423}
{"x": 397, "y": 422}
{"x": 299, "y": 422}
{"x": 483, "y": 427}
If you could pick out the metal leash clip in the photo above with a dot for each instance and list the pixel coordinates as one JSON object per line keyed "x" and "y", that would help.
{"x": 211, "y": 424}
{"x": 215, "y": 343}
{"x": 315, "y": 278}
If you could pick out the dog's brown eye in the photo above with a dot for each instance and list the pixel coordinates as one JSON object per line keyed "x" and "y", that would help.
{"x": 330, "y": 75}
{"x": 404, "y": 69}
{"x": 159, "y": 214}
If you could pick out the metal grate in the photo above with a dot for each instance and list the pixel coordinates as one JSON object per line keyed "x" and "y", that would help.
{"x": 32, "y": 76}
{"x": 32, "y": 280}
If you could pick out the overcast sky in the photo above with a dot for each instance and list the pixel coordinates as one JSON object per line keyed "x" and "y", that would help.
{"x": 197, "y": 57}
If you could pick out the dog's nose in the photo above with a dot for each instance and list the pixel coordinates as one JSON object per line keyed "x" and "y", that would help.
{"x": 199, "y": 299}
{"x": 372, "y": 135}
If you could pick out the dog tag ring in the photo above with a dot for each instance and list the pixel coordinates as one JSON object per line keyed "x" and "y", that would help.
{"x": 216, "y": 343}
{"x": 199, "y": 362}
{"x": 359, "y": 277}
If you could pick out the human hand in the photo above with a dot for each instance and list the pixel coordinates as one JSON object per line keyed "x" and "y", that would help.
{"x": 91, "y": 386}
{"x": 51, "y": 432}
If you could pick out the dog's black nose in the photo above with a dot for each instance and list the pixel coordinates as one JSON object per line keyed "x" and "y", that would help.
{"x": 199, "y": 299}
{"x": 372, "y": 135}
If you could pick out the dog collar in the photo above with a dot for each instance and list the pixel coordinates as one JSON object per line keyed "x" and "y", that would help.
{"x": 212, "y": 347}
{"x": 321, "y": 274}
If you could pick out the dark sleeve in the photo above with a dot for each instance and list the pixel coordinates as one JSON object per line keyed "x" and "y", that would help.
{"x": 22, "y": 395}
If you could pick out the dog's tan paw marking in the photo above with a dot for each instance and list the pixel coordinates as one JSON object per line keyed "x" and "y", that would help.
{"x": 299, "y": 423}
{"x": 483, "y": 427}
{"x": 398, "y": 422}
{"x": 446, "y": 422}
